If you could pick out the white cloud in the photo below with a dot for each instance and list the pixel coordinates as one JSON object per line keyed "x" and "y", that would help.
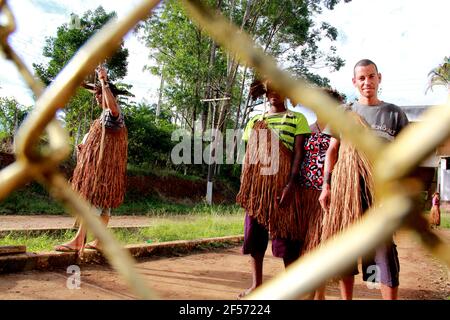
{"x": 406, "y": 38}
{"x": 38, "y": 19}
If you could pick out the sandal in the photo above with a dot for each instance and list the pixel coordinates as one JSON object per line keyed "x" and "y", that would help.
{"x": 90, "y": 246}
{"x": 65, "y": 248}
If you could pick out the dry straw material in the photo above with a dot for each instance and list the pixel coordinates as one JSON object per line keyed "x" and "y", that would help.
{"x": 100, "y": 174}
{"x": 259, "y": 193}
{"x": 352, "y": 188}
{"x": 312, "y": 214}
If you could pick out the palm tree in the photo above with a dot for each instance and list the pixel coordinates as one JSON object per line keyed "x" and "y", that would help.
{"x": 440, "y": 76}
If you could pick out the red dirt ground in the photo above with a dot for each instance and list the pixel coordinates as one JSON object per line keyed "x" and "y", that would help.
{"x": 221, "y": 274}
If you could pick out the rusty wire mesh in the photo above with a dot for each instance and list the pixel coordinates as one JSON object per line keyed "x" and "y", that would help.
{"x": 396, "y": 193}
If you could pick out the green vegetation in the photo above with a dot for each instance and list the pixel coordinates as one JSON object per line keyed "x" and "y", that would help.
{"x": 202, "y": 224}
{"x": 60, "y": 47}
{"x": 445, "y": 220}
{"x": 155, "y": 207}
{"x": 440, "y": 75}
{"x": 34, "y": 199}
{"x": 12, "y": 114}
{"x": 43, "y": 242}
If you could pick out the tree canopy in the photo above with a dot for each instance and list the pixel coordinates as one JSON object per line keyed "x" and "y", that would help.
{"x": 12, "y": 114}
{"x": 82, "y": 108}
{"x": 195, "y": 68}
{"x": 440, "y": 76}
{"x": 61, "y": 48}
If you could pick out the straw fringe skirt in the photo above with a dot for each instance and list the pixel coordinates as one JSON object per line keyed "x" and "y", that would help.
{"x": 259, "y": 192}
{"x": 100, "y": 175}
{"x": 313, "y": 215}
{"x": 435, "y": 216}
{"x": 351, "y": 180}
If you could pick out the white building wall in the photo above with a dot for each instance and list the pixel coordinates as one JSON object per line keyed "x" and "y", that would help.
{"x": 444, "y": 180}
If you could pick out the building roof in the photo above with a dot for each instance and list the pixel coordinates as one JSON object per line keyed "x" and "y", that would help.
{"x": 414, "y": 113}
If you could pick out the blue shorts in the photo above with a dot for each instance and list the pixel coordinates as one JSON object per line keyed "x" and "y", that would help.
{"x": 256, "y": 239}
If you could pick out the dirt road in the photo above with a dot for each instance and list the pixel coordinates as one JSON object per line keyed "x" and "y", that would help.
{"x": 22, "y": 222}
{"x": 220, "y": 274}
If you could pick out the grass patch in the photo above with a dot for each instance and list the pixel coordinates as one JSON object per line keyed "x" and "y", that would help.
{"x": 43, "y": 242}
{"x": 156, "y": 207}
{"x": 149, "y": 170}
{"x": 164, "y": 228}
{"x": 30, "y": 201}
{"x": 445, "y": 220}
{"x": 34, "y": 200}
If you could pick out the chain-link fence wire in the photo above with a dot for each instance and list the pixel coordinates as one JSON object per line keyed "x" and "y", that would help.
{"x": 38, "y": 161}
{"x": 396, "y": 193}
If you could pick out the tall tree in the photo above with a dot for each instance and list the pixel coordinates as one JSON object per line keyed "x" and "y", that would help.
{"x": 12, "y": 114}
{"x": 195, "y": 67}
{"x": 81, "y": 110}
{"x": 61, "y": 48}
{"x": 184, "y": 51}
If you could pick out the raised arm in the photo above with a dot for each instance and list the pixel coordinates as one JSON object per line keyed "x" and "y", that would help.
{"x": 110, "y": 100}
{"x": 330, "y": 161}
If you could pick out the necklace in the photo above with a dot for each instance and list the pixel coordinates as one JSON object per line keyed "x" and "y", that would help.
{"x": 318, "y": 127}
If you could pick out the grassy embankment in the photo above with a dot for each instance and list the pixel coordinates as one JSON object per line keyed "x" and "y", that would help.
{"x": 169, "y": 221}
{"x": 211, "y": 222}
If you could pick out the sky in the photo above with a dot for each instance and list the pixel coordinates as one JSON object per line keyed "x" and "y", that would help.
{"x": 406, "y": 39}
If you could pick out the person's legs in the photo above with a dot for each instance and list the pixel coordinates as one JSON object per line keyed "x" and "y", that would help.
{"x": 346, "y": 285}
{"x": 256, "y": 263}
{"x": 256, "y": 239}
{"x": 386, "y": 258}
{"x": 319, "y": 294}
{"x": 105, "y": 214}
{"x": 77, "y": 242}
{"x": 389, "y": 293}
{"x": 287, "y": 249}
{"x": 347, "y": 281}
{"x": 387, "y": 268}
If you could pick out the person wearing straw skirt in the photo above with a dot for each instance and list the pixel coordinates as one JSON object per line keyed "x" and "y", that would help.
{"x": 348, "y": 184}
{"x": 435, "y": 212}
{"x": 100, "y": 173}
{"x": 311, "y": 179}
{"x": 269, "y": 182}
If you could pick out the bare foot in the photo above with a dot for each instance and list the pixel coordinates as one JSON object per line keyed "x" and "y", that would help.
{"x": 66, "y": 248}
{"x": 94, "y": 245}
{"x": 72, "y": 246}
{"x": 245, "y": 293}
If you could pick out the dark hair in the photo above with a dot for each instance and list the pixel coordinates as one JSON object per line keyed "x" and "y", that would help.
{"x": 97, "y": 89}
{"x": 258, "y": 88}
{"x": 364, "y": 63}
{"x": 334, "y": 94}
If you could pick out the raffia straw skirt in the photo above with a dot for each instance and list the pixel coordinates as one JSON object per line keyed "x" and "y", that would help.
{"x": 100, "y": 176}
{"x": 259, "y": 192}
{"x": 435, "y": 216}
{"x": 351, "y": 183}
{"x": 313, "y": 215}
